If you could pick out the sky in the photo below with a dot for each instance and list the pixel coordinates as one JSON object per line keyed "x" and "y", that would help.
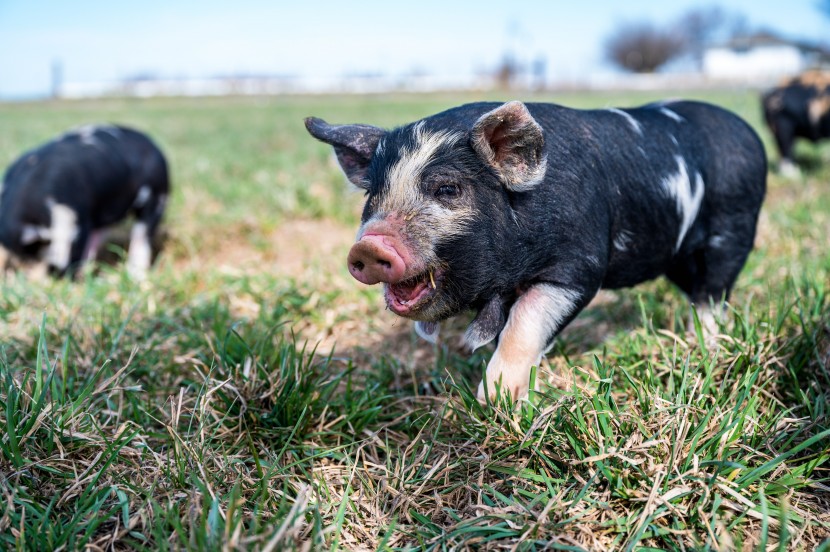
{"x": 97, "y": 40}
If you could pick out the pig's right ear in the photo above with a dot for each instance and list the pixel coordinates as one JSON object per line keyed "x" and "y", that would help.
{"x": 354, "y": 145}
{"x": 512, "y": 143}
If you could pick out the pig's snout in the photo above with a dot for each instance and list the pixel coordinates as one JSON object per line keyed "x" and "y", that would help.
{"x": 374, "y": 259}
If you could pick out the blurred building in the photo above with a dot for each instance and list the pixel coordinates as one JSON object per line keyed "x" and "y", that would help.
{"x": 762, "y": 57}
{"x": 243, "y": 85}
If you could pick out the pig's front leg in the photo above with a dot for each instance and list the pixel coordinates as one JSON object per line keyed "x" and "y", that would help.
{"x": 534, "y": 320}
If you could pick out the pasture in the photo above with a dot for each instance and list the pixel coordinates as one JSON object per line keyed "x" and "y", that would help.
{"x": 251, "y": 395}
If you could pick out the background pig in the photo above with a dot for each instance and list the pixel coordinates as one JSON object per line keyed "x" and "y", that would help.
{"x": 799, "y": 108}
{"x": 58, "y": 199}
{"x": 523, "y": 212}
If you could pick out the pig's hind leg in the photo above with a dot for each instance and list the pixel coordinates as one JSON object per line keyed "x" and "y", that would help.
{"x": 708, "y": 273}
{"x": 784, "y": 133}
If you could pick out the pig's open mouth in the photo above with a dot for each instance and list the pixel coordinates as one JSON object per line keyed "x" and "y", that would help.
{"x": 408, "y": 295}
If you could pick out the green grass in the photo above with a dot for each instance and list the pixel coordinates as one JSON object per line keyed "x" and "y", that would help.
{"x": 237, "y": 400}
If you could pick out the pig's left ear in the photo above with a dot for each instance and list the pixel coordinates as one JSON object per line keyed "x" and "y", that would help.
{"x": 354, "y": 146}
{"x": 510, "y": 140}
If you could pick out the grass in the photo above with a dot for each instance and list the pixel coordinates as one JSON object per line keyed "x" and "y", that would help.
{"x": 249, "y": 395}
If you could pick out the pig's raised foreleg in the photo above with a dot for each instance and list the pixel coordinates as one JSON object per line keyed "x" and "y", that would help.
{"x": 534, "y": 320}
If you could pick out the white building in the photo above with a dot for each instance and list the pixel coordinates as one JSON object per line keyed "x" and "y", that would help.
{"x": 761, "y": 57}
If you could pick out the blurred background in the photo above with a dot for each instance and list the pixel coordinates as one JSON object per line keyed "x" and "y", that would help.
{"x": 89, "y": 49}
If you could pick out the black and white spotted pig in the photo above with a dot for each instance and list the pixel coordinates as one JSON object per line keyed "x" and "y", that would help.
{"x": 58, "y": 199}
{"x": 522, "y": 212}
{"x": 798, "y": 108}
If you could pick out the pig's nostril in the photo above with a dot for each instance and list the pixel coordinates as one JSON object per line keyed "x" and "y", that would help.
{"x": 385, "y": 264}
{"x": 358, "y": 265}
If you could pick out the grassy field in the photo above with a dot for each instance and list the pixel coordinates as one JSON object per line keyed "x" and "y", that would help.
{"x": 251, "y": 395}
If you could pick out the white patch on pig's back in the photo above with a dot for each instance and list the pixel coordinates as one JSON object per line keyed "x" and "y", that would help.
{"x": 635, "y": 124}
{"x": 87, "y": 134}
{"x": 671, "y": 114}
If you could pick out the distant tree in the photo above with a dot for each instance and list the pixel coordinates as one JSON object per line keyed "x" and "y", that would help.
{"x": 699, "y": 27}
{"x": 643, "y": 48}
{"x": 738, "y": 25}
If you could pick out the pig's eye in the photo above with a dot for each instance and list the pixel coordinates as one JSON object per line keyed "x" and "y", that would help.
{"x": 447, "y": 191}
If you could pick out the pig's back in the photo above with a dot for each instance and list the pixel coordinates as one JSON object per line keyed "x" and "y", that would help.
{"x": 634, "y": 189}
{"x": 674, "y": 176}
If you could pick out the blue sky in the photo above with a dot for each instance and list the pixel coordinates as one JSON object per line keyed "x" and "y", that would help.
{"x": 108, "y": 40}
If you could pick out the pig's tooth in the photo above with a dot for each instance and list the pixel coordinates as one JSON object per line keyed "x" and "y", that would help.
{"x": 431, "y": 280}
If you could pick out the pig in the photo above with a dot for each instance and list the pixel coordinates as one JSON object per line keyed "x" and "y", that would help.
{"x": 521, "y": 213}
{"x": 798, "y": 108}
{"x": 58, "y": 199}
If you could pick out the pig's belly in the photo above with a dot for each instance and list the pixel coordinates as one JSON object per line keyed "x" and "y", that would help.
{"x": 636, "y": 265}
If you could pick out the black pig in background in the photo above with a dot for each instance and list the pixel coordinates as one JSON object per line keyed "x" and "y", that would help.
{"x": 59, "y": 200}
{"x": 799, "y": 108}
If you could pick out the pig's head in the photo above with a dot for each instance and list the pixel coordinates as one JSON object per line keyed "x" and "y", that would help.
{"x": 437, "y": 225}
